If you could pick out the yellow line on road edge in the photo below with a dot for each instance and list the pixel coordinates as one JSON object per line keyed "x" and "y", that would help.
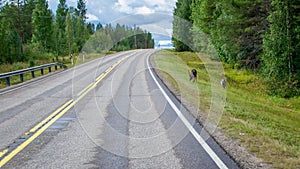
{"x": 42, "y": 126}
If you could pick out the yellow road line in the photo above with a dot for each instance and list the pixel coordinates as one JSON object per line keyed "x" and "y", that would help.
{"x": 46, "y": 123}
{"x": 50, "y": 117}
{"x": 108, "y": 70}
{"x": 101, "y": 76}
{"x": 82, "y": 91}
{"x": 99, "y": 80}
{"x": 85, "y": 93}
{"x": 3, "y": 152}
{"x": 34, "y": 136}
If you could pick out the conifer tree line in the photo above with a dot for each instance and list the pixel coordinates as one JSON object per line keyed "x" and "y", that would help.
{"x": 30, "y": 30}
{"x": 118, "y": 38}
{"x": 261, "y": 35}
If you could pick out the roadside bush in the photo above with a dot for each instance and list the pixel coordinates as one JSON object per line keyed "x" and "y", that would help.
{"x": 31, "y": 63}
{"x": 284, "y": 88}
{"x": 33, "y": 52}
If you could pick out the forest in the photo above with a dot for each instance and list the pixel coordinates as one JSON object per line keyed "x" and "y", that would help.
{"x": 30, "y": 31}
{"x": 258, "y": 35}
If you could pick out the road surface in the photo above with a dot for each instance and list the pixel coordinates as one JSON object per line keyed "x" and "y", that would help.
{"x": 112, "y": 112}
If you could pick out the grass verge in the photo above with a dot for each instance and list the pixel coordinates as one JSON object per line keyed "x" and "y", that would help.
{"x": 269, "y": 127}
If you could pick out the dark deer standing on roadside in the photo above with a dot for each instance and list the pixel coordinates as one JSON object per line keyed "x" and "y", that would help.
{"x": 193, "y": 75}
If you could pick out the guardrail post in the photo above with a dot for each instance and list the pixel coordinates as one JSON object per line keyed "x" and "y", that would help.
{"x": 22, "y": 77}
{"x": 8, "y": 81}
{"x": 49, "y": 69}
{"x": 42, "y": 71}
{"x": 32, "y": 74}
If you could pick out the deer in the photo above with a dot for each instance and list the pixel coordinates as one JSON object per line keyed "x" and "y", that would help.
{"x": 193, "y": 75}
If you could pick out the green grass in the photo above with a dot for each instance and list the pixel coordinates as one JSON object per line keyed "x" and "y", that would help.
{"x": 267, "y": 126}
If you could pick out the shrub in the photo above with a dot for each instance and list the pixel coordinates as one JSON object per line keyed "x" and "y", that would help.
{"x": 285, "y": 88}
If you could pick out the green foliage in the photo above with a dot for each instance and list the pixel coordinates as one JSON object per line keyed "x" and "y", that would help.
{"x": 81, "y": 9}
{"x": 261, "y": 35}
{"x": 90, "y": 28}
{"x": 283, "y": 88}
{"x": 61, "y": 40}
{"x": 31, "y": 63}
{"x": 281, "y": 49}
{"x": 29, "y": 32}
{"x": 10, "y": 42}
{"x": 27, "y": 11}
{"x": 234, "y": 28}
{"x": 182, "y": 25}
{"x": 75, "y": 32}
{"x": 43, "y": 27}
{"x": 119, "y": 38}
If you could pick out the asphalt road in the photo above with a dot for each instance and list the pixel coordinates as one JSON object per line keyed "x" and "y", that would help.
{"x": 120, "y": 115}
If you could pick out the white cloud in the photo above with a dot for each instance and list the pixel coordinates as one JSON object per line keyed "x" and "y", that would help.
{"x": 155, "y": 2}
{"x": 110, "y": 10}
{"x": 161, "y": 5}
{"x": 169, "y": 31}
{"x": 144, "y": 6}
{"x": 154, "y": 15}
{"x": 143, "y": 10}
{"x": 123, "y": 6}
{"x": 91, "y": 17}
{"x": 165, "y": 42}
{"x": 157, "y": 29}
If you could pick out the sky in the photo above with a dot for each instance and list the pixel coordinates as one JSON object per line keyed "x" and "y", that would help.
{"x": 155, "y": 16}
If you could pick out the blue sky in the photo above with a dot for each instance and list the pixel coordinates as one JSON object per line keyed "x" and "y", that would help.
{"x": 152, "y": 15}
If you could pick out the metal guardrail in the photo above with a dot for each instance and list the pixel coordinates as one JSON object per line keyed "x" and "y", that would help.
{"x": 32, "y": 69}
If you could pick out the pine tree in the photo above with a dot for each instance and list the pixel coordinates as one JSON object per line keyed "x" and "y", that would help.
{"x": 99, "y": 26}
{"x": 68, "y": 32}
{"x": 90, "y": 28}
{"x": 43, "y": 27}
{"x": 27, "y": 20}
{"x": 19, "y": 4}
{"x": 234, "y": 27}
{"x": 81, "y": 7}
{"x": 182, "y": 25}
{"x": 81, "y": 34}
{"x": 10, "y": 42}
{"x": 61, "y": 40}
{"x": 282, "y": 47}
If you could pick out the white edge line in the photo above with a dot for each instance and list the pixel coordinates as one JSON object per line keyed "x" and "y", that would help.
{"x": 201, "y": 141}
